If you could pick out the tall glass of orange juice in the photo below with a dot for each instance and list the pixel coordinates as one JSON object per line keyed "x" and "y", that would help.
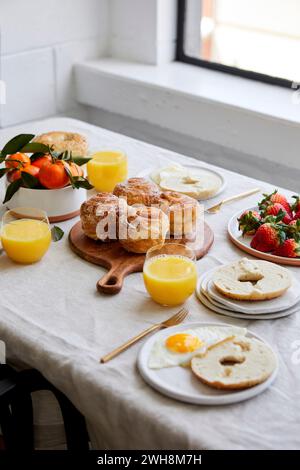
{"x": 25, "y": 234}
{"x": 170, "y": 273}
{"x": 106, "y": 169}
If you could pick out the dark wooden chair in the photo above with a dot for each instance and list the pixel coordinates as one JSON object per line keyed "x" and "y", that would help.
{"x": 16, "y": 411}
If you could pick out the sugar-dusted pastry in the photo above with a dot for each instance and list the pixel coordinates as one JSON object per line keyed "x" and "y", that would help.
{"x": 62, "y": 141}
{"x": 96, "y": 213}
{"x": 234, "y": 364}
{"x": 138, "y": 191}
{"x": 182, "y": 211}
{"x": 143, "y": 228}
{"x": 252, "y": 280}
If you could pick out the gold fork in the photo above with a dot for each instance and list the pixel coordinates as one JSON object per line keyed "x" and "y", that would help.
{"x": 214, "y": 209}
{"x": 174, "y": 320}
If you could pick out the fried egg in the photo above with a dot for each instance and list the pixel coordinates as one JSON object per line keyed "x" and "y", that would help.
{"x": 179, "y": 348}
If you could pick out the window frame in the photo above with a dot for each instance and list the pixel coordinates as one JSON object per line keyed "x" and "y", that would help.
{"x": 181, "y": 56}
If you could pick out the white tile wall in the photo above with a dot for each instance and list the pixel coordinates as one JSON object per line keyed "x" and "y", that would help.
{"x": 30, "y": 87}
{"x": 40, "y": 40}
{"x": 32, "y": 24}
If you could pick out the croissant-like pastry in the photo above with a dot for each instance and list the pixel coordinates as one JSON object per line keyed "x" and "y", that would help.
{"x": 138, "y": 191}
{"x": 182, "y": 211}
{"x": 102, "y": 207}
{"x": 143, "y": 228}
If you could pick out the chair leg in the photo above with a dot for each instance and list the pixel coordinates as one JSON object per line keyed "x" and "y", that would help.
{"x": 75, "y": 427}
{"x": 6, "y": 426}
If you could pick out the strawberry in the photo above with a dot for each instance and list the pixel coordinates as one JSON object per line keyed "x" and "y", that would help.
{"x": 268, "y": 237}
{"x": 249, "y": 222}
{"x": 293, "y": 230}
{"x": 274, "y": 198}
{"x": 279, "y": 211}
{"x": 290, "y": 248}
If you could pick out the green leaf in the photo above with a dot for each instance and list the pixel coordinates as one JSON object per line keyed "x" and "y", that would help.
{"x": 16, "y": 144}
{"x": 3, "y": 171}
{"x": 36, "y": 155}
{"x": 81, "y": 160}
{"x": 28, "y": 180}
{"x": 12, "y": 188}
{"x": 57, "y": 233}
{"x": 81, "y": 182}
{"x": 34, "y": 147}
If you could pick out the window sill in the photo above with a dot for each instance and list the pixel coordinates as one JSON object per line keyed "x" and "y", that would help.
{"x": 197, "y": 102}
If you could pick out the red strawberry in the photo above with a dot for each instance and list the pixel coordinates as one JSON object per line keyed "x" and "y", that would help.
{"x": 268, "y": 237}
{"x": 274, "y": 198}
{"x": 290, "y": 248}
{"x": 278, "y": 209}
{"x": 249, "y": 222}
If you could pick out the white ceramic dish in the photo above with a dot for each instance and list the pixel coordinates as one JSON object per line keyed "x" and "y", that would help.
{"x": 181, "y": 384}
{"x": 212, "y": 305}
{"x": 60, "y": 204}
{"x": 146, "y": 173}
{"x": 243, "y": 243}
{"x": 288, "y": 300}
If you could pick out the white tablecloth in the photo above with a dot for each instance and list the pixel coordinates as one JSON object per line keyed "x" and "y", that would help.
{"x": 53, "y": 319}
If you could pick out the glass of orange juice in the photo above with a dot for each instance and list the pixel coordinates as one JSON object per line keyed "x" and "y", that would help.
{"x": 106, "y": 169}
{"x": 170, "y": 273}
{"x": 25, "y": 234}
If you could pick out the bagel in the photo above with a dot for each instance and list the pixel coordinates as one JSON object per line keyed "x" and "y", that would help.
{"x": 252, "y": 280}
{"x": 62, "y": 141}
{"x": 234, "y": 364}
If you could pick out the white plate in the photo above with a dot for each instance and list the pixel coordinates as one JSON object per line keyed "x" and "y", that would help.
{"x": 286, "y": 301}
{"x": 146, "y": 173}
{"x": 181, "y": 384}
{"x": 209, "y": 303}
{"x": 243, "y": 243}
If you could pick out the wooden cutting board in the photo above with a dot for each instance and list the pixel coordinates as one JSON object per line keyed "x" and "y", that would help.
{"x": 118, "y": 261}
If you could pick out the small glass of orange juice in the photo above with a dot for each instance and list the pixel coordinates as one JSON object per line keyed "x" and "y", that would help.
{"x": 25, "y": 234}
{"x": 106, "y": 169}
{"x": 170, "y": 273}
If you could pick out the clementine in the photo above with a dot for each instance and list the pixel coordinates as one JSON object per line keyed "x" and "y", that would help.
{"x": 53, "y": 175}
{"x": 40, "y": 161}
{"x": 16, "y": 174}
{"x": 17, "y": 160}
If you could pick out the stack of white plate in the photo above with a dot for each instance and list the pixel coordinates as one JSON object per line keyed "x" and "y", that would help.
{"x": 259, "y": 310}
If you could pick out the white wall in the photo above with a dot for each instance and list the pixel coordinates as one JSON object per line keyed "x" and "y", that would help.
{"x": 40, "y": 41}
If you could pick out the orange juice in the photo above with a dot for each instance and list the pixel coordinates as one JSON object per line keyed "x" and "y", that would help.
{"x": 170, "y": 279}
{"x": 26, "y": 240}
{"x": 106, "y": 169}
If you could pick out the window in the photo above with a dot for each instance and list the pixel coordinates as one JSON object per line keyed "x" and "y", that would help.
{"x": 251, "y": 38}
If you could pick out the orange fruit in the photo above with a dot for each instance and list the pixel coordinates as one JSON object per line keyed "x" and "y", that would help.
{"x": 16, "y": 174}
{"x": 17, "y": 160}
{"x": 53, "y": 175}
{"x": 39, "y": 162}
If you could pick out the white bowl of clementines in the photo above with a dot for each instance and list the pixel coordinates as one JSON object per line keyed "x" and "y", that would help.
{"x": 52, "y": 182}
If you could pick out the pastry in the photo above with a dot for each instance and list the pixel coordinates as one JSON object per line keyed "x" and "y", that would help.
{"x": 103, "y": 207}
{"x": 62, "y": 141}
{"x": 144, "y": 228}
{"x": 138, "y": 191}
{"x": 182, "y": 211}
{"x": 252, "y": 280}
{"x": 235, "y": 364}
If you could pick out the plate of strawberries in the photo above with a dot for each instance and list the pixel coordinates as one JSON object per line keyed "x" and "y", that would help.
{"x": 270, "y": 230}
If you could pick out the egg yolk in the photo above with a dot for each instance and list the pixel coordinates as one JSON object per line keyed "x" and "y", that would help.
{"x": 183, "y": 343}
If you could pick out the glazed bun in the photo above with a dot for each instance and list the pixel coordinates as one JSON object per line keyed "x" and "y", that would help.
{"x": 144, "y": 228}
{"x": 138, "y": 191}
{"x": 99, "y": 208}
{"x": 62, "y": 141}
